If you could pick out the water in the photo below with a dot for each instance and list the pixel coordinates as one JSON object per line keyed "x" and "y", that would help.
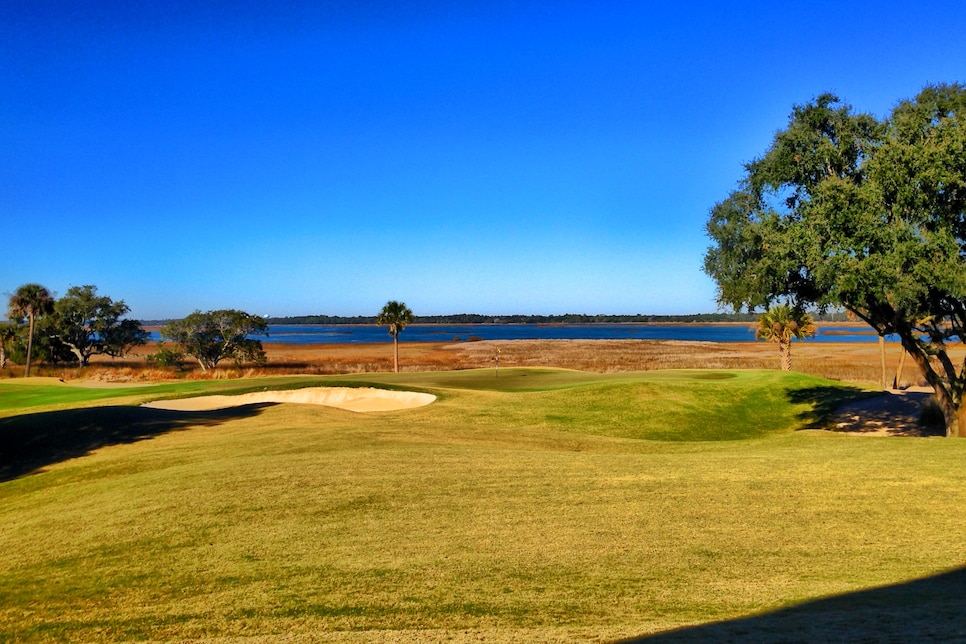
{"x": 365, "y": 334}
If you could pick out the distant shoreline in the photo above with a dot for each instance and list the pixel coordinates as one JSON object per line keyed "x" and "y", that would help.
{"x": 473, "y": 332}
{"x": 155, "y": 325}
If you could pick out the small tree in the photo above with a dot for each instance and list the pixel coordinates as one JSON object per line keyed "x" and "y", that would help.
{"x": 8, "y": 333}
{"x": 216, "y": 335}
{"x": 30, "y": 301}
{"x": 395, "y": 315}
{"x": 782, "y": 324}
{"x": 165, "y": 357}
{"x": 89, "y": 324}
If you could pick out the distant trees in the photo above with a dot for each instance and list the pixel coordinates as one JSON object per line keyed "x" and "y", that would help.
{"x": 76, "y": 326}
{"x": 782, "y": 324}
{"x": 214, "y": 336}
{"x": 30, "y": 301}
{"x": 89, "y": 324}
{"x": 395, "y": 315}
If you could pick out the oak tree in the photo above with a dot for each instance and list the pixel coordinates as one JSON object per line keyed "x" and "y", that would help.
{"x": 90, "y": 324}
{"x": 214, "y": 336}
{"x": 848, "y": 210}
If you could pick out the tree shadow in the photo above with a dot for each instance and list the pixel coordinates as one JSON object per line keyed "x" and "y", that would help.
{"x": 856, "y": 411}
{"x": 30, "y": 442}
{"x": 927, "y": 609}
{"x": 824, "y": 402}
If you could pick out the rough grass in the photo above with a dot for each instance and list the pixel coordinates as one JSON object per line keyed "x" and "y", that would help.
{"x": 537, "y": 506}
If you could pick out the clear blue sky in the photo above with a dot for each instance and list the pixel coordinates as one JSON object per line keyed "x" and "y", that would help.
{"x": 293, "y": 157}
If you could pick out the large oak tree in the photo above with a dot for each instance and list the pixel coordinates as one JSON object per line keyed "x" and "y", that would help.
{"x": 848, "y": 210}
{"x": 90, "y": 324}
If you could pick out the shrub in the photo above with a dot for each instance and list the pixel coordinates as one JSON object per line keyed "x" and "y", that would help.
{"x": 165, "y": 357}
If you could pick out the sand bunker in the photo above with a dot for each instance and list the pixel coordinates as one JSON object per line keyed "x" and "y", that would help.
{"x": 358, "y": 399}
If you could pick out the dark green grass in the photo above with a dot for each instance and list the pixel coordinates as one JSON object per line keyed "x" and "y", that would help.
{"x": 14, "y": 397}
{"x": 18, "y": 398}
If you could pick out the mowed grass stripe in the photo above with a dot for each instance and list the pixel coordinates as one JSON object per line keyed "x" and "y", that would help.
{"x": 507, "y": 515}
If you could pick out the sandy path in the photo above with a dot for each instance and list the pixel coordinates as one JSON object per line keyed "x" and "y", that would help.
{"x": 357, "y": 399}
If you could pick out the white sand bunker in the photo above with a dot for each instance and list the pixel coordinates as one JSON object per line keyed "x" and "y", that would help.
{"x": 358, "y": 399}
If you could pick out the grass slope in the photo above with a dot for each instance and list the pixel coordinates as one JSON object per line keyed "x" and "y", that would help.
{"x": 537, "y": 506}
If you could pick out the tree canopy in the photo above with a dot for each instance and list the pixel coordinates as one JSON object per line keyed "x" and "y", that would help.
{"x": 214, "y": 336}
{"x": 847, "y": 210}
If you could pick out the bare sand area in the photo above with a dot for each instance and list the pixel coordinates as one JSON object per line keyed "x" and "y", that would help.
{"x": 357, "y": 399}
{"x": 892, "y": 413}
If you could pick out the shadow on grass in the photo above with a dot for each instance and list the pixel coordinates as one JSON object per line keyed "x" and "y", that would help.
{"x": 30, "y": 442}
{"x": 923, "y": 610}
{"x": 824, "y": 402}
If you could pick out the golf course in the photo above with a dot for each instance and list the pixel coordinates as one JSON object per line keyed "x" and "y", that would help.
{"x": 528, "y": 504}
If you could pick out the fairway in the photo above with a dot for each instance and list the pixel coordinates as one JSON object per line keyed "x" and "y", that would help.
{"x": 530, "y": 505}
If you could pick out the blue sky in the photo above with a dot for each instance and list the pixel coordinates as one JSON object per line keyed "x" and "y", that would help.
{"x": 496, "y": 157}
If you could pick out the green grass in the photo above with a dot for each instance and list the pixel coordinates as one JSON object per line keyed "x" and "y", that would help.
{"x": 44, "y": 394}
{"x": 538, "y": 506}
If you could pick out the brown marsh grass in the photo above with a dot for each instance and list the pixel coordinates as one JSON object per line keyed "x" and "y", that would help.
{"x": 858, "y": 363}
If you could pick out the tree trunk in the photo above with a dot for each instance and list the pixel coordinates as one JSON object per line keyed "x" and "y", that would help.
{"x": 955, "y": 418}
{"x": 882, "y": 379}
{"x": 30, "y": 344}
{"x": 3, "y": 356}
{"x": 960, "y": 422}
{"x": 82, "y": 360}
{"x": 902, "y": 361}
{"x": 954, "y": 414}
{"x": 395, "y": 353}
{"x": 785, "y": 351}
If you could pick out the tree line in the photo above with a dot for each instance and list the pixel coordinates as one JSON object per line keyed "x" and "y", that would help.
{"x": 72, "y": 328}
{"x": 82, "y": 324}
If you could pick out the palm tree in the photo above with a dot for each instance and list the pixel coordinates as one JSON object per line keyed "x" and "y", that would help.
{"x": 396, "y": 315}
{"x": 781, "y": 324}
{"x": 30, "y": 301}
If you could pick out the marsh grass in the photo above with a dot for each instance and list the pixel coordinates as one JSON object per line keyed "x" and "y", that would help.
{"x": 537, "y": 506}
{"x": 848, "y": 362}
